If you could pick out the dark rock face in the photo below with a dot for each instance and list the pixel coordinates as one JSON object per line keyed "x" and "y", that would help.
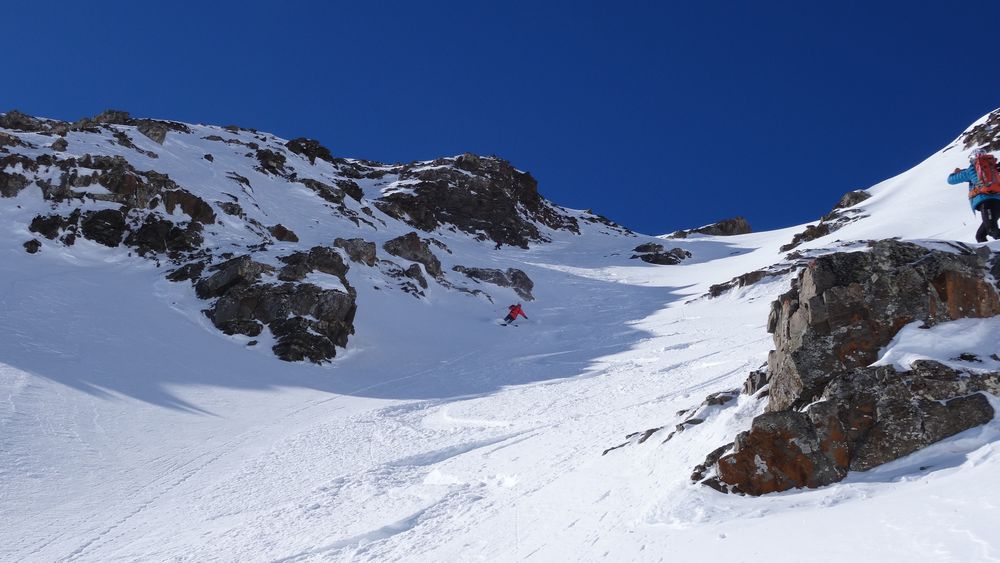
{"x": 358, "y": 250}
{"x": 828, "y": 412}
{"x": 283, "y": 233}
{"x": 724, "y": 228}
{"x": 412, "y": 247}
{"x": 106, "y": 227}
{"x": 32, "y": 246}
{"x": 512, "y": 278}
{"x": 654, "y": 254}
{"x": 478, "y": 195}
{"x": 846, "y": 306}
{"x": 864, "y": 419}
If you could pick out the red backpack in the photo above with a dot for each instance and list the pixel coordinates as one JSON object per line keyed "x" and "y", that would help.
{"x": 989, "y": 178}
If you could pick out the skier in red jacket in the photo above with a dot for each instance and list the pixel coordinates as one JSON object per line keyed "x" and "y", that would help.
{"x": 515, "y": 310}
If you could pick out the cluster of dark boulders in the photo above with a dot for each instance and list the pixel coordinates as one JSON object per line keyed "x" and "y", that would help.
{"x": 828, "y": 411}
{"x": 653, "y": 253}
{"x": 308, "y": 322}
{"x": 513, "y": 278}
{"x": 483, "y": 196}
{"x": 724, "y": 228}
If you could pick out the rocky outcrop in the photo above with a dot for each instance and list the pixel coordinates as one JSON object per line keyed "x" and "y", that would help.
{"x": 986, "y": 135}
{"x": 841, "y": 215}
{"x": 863, "y": 419}
{"x": 411, "y": 247}
{"x": 308, "y": 322}
{"x": 32, "y": 246}
{"x": 512, "y": 278}
{"x": 241, "y": 270}
{"x": 828, "y": 411}
{"x": 358, "y": 250}
{"x": 196, "y": 208}
{"x": 318, "y": 259}
{"x": 483, "y": 196}
{"x": 750, "y": 278}
{"x": 653, "y": 253}
{"x": 283, "y": 233}
{"x": 846, "y": 306}
{"x": 311, "y": 149}
{"x": 724, "y": 228}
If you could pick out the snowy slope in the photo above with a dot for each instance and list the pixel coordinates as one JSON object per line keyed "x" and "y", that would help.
{"x": 131, "y": 429}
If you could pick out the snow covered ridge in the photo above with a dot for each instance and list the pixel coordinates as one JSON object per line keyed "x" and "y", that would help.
{"x": 224, "y": 207}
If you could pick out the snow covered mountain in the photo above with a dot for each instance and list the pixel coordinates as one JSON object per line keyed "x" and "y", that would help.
{"x": 220, "y": 345}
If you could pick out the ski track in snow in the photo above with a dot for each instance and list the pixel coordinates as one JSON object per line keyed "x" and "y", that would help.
{"x": 131, "y": 430}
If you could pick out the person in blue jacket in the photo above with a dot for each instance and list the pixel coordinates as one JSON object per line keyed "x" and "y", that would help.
{"x": 987, "y": 204}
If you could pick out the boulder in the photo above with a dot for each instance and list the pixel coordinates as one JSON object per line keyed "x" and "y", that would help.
{"x": 157, "y": 132}
{"x": 648, "y": 248}
{"x": 32, "y": 246}
{"x": 668, "y": 258}
{"x": 512, "y": 278}
{"x": 60, "y": 144}
{"x": 724, "y": 228}
{"x": 241, "y": 270}
{"x": 198, "y": 209}
{"x": 283, "y": 233}
{"x": 310, "y": 148}
{"x": 106, "y": 226}
{"x": 318, "y": 259}
{"x": 358, "y": 250}
{"x": 412, "y": 247}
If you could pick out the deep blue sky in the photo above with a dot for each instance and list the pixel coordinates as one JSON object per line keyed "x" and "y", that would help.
{"x": 660, "y": 115}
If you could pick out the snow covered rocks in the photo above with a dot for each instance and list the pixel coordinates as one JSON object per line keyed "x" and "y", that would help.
{"x": 307, "y": 321}
{"x": 829, "y": 412}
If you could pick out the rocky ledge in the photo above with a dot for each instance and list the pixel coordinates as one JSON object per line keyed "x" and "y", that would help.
{"x": 829, "y": 412}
